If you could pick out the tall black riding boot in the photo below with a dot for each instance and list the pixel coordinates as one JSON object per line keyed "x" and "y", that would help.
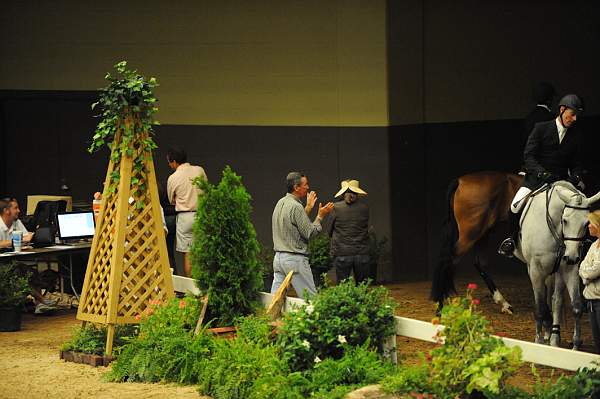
{"x": 508, "y": 245}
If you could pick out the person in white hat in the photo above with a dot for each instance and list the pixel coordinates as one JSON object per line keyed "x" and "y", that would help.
{"x": 291, "y": 231}
{"x": 349, "y": 232}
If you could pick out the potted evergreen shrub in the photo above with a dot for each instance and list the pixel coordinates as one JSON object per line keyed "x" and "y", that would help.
{"x": 14, "y": 289}
{"x": 225, "y": 250}
{"x": 319, "y": 257}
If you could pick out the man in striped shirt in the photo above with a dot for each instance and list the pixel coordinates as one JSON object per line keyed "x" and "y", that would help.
{"x": 291, "y": 231}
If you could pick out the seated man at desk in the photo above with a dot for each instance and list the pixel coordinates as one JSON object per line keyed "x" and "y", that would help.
{"x": 9, "y": 222}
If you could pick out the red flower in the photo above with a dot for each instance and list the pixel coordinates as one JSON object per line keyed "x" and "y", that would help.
{"x": 472, "y": 286}
{"x": 435, "y": 321}
{"x": 428, "y": 357}
{"x": 138, "y": 317}
{"x": 475, "y": 301}
{"x": 181, "y": 304}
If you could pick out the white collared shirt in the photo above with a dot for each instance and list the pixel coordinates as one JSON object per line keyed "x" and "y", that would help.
{"x": 6, "y": 232}
{"x": 561, "y": 130}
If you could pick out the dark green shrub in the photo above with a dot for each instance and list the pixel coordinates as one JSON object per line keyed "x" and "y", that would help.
{"x": 92, "y": 339}
{"x": 346, "y": 313}
{"x": 319, "y": 256}
{"x": 14, "y": 286}
{"x": 224, "y": 251}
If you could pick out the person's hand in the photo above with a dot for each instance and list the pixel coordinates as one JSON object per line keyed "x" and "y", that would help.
{"x": 97, "y": 195}
{"x": 27, "y": 237}
{"x": 324, "y": 210}
{"x": 311, "y": 199}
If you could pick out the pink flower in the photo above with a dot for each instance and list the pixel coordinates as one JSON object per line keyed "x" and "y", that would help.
{"x": 181, "y": 304}
{"x": 475, "y": 301}
{"x": 472, "y": 286}
{"x": 138, "y": 317}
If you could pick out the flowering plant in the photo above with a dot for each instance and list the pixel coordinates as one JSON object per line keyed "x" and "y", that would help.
{"x": 340, "y": 316}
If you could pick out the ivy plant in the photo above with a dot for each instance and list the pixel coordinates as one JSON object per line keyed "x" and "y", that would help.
{"x": 127, "y": 107}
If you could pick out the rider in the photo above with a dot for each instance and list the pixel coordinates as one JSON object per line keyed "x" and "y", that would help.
{"x": 552, "y": 153}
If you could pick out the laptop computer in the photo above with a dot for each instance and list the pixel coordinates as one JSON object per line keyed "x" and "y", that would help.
{"x": 75, "y": 226}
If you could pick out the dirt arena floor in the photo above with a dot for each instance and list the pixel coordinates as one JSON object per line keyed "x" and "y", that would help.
{"x": 30, "y": 367}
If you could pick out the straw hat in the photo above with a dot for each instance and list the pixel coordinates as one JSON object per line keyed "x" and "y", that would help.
{"x": 352, "y": 185}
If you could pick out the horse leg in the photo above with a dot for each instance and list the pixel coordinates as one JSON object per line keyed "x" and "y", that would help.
{"x": 547, "y": 318}
{"x": 557, "y": 307}
{"x": 571, "y": 277}
{"x": 496, "y": 295}
{"x": 541, "y": 311}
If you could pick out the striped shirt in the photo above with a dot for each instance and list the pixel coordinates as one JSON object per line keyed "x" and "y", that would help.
{"x": 291, "y": 226}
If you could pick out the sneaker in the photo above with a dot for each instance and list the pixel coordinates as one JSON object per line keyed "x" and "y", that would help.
{"x": 507, "y": 247}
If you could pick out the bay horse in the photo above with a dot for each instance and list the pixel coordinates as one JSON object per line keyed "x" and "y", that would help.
{"x": 476, "y": 202}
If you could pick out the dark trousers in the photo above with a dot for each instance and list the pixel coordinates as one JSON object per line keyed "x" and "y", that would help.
{"x": 359, "y": 264}
{"x": 594, "y": 307}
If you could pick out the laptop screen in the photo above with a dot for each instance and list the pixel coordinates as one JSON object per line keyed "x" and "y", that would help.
{"x": 75, "y": 225}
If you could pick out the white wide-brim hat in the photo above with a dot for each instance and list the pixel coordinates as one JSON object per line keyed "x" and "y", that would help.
{"x": 352, "y": 185}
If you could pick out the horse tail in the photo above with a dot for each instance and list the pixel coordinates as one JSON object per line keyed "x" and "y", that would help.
{"x": 442, "y": 283}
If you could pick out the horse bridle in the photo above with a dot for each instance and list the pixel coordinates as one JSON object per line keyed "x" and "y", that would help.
{"x": 561, "y": 241}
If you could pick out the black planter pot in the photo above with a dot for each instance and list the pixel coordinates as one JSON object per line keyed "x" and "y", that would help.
{"x": 10, "y": 319}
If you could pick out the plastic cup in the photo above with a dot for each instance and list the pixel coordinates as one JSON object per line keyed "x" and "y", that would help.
{"x": 17, "y": 239}
{"x": 96, "y": 207}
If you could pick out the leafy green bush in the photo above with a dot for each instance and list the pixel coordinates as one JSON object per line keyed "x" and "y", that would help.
{"x": 92, "y": 339}
{"x": 14, "y": 286}
{"x": 265, "y": 259}
{"x": 319, "y": 256}
{"x": 224, "y": 250}
{"x": 235, "y": 366}
{"x": 165, "y": 348}
{"x": 408, "y": 379}
{"x": 346, "y": 313}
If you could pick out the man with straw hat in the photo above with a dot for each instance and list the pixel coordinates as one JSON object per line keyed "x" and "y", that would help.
{"x": 349, "y": 232}
{"x": 589, "y": 271}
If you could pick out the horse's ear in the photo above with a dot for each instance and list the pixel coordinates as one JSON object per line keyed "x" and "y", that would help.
{"x": 564, "y": 194}
{"x": 593, "y": 198}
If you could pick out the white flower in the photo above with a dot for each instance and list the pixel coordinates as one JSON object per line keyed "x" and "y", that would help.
{"x": 317, "y": 360}
{"x": 306, "y": 344}
{"x": 342, "y": 339}
{"x": 310, "y": 309}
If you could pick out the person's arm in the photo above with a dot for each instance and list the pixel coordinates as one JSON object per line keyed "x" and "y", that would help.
{"x": 590, "y": 268}
{"x": 5, "y": 243}
{"x": 171, "y": 190}
{"x": 331, "y": 224}
{"x": 306, "y": 228}
{"x": 531, "y": 151}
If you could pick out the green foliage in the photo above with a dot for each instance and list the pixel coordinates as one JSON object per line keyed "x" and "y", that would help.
{"x": 376, "y": 246}
{"x": 14, "y": 286}
{"x": 265, "y": 259}
{"x": 92, "y": 339}
{"x": 357, "y": 367}
{"x": 224, "y": 251}
{"x": 470, "y": 358}
{"x": 345, "y": 313}
{"x": 414, "y": 378}
{"x": 165, "y": 348}
{"x": 128, "y": 107}
{"x": 319, "y": 254}
{"x": 583, "y": 384}
{"x": 235, "y": 365}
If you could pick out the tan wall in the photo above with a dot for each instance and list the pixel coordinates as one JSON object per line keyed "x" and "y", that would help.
{"x": 254, "y": 62}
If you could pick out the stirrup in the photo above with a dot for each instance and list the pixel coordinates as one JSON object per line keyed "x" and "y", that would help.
{"x": 507, "y": 247}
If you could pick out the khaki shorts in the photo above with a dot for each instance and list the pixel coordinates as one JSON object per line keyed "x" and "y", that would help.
{"x": 185, "y": 222}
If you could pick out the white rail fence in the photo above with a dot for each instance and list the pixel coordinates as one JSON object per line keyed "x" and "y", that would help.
{"x": 560, "y": 358}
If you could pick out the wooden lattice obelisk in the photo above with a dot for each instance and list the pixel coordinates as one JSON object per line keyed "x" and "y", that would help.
{"x": 128, "y": 264}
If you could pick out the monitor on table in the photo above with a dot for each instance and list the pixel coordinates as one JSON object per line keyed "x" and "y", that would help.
{"x": 75, "y": 225}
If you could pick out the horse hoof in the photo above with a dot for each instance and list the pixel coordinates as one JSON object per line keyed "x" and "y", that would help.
{"x": 555, "y": 340}
{"x": 540, "y": 340}
{"x": 577, "y": 345}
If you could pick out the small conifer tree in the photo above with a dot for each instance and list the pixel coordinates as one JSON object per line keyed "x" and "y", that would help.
{"x": 224, "y": 250}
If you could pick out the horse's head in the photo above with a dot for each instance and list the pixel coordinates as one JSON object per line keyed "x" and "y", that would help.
{"x": 574, "y": 224}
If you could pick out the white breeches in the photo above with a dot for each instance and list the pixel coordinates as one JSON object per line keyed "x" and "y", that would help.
{"x": 517, "y": 204}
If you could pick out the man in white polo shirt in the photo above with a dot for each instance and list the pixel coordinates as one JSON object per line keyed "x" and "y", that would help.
{"x": 184, "y": 195}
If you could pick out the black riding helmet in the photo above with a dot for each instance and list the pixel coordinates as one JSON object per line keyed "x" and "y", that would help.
{"x": 573, "y": 102}
{"x": 570, "y": 101}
